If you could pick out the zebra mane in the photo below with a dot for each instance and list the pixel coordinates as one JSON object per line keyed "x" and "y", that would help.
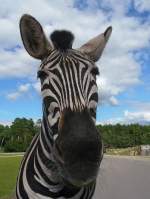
{"x": 62, "y": 39}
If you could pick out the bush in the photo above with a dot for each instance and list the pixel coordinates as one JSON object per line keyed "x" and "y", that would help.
{"x": 15, "y": 146}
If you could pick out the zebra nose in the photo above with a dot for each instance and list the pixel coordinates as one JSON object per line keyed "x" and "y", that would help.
{"x": 81, "y": 175}
{"x": 80, "y": 146}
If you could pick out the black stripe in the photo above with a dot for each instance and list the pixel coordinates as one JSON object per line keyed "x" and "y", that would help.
{"x": 20, "y": 178}
{"x": 66, "y": 82}
{"x": 94, "y": 97}
{"x": 48, "y": 131}
{"x": 43, "y": 139}
{"x": 47, "y": 180}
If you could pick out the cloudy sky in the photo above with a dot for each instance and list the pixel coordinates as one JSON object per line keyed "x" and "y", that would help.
{"x": 124, "y": 81}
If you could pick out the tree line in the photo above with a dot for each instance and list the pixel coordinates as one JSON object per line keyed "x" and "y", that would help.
{"x": 122, "y": 136}
{"x": 17, "y": 136}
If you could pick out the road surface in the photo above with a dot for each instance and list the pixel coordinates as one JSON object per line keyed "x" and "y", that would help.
{"x": 123, "y": 178}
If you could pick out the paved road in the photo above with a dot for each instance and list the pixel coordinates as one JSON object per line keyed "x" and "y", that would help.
{"x": 123, "y": 178}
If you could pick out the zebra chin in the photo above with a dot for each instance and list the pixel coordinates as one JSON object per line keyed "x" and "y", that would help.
{"x": 78, "y": 148}
{"x": 79, "y": 175}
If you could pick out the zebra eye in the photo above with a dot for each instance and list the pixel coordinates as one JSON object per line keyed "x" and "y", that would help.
{"x": 42, "y": 74}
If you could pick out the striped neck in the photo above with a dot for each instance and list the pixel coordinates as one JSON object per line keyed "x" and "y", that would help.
{"x": 39, "y": 177}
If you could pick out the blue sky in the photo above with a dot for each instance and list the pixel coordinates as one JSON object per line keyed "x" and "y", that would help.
{"x": 124, "y": 86}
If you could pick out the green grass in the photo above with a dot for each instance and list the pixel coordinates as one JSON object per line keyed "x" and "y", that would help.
{"x": 9, "y": 166}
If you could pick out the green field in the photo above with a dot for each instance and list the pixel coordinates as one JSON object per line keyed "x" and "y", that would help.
{"x": 9, "y": 165}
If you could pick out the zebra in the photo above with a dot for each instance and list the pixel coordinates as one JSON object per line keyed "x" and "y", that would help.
{"x": 63, "y": 160}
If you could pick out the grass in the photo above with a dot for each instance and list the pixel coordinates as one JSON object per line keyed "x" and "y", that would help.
{"x": 9, "y": 165}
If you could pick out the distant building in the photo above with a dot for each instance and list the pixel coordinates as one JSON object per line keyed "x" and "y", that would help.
{"x": 145, "y": 150}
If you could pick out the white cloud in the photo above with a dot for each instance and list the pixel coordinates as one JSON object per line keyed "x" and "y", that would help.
{"x": 138, "y": 112}
{"x": 113, "y": 101}
{"x": 142, "y": 5}
{"x": 6, "y": 123}
{"x": 13, "y": 96}
{"x": 139, "y": 116}
{"x": 113, "y": 121}
{"x": 139, "y": 105}
{"x": 24, "y": 88}
{"x": 37, "y": 86}
{"x": 130, "y": 117}
{"x": 16, "y": 64}
{"x": 119, "y": 67}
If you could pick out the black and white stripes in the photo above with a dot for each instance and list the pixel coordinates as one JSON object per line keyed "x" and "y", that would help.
{"x": 66, "y": 82}
{"x": 69, "y": 83}
{"x": 39, "y": 177}
{"x": 63, "y": 159}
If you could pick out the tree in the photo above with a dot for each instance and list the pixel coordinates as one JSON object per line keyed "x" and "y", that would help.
{"x": 22, "y": 132}
{"x": 1, "y": 135}
{"x": 119, "y": 136}
{"x": 5, "y": 135}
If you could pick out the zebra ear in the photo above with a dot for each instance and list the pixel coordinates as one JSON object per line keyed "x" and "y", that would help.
{"x": 33, "y": 37}
{"x": 95, "y": 46}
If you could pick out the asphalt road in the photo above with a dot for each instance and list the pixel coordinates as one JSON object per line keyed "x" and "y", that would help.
{"x": 123, "y": 178}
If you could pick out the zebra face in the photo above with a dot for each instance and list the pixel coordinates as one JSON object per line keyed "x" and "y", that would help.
{"x": 70, "y": 97}
{"x": 68, "y": 81}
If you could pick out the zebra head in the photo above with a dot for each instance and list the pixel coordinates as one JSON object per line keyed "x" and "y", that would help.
{"x": 70, "y": 97}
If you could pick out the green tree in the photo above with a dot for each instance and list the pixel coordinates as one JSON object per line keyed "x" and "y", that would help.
{"x": 5, "y": 135}
{"x": 22, "y": 132}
